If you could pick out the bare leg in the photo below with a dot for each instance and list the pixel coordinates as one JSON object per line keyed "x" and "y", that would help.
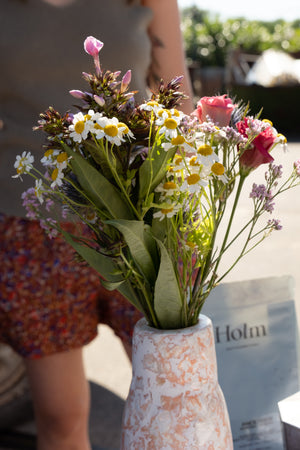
{"x": 61, "y": 401}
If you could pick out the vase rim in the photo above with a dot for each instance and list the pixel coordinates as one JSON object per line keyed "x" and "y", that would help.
{"x": 203, "y": 322}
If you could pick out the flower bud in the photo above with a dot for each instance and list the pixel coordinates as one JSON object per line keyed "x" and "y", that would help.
{"x": 125, "y": 81}
{"x": 99, "y": 100}
{"x": 77, "y": 94}
{"x": 92, "y": 46}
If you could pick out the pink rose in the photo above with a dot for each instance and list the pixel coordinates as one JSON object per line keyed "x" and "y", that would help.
{"x": 218, "y": 108}
{"x": 261, "y": 145}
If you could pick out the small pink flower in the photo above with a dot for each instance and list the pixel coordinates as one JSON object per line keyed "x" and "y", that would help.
{"x": 92, "y": 46}
{"x": 218, "y": 108}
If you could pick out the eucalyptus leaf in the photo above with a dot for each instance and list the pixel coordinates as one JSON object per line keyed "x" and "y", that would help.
{"x": 98, "y": 189}
{"x": 167, "y": 298}
{"x": 153, "y": 169}
{"x": 139, "y": 245}
{"x": 105, "y": 266}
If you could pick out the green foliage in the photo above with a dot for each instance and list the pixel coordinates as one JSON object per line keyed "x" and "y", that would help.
{"x": 208, "y": 39}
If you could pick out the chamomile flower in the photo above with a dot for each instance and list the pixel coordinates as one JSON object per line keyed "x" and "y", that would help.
{"x": 39, "y": 190}
{"x": 56, "y": 177}
{"x": 23, "y": 164}
{"x": 152, "y": 105}
{"x": 178, "y": 141}
{"x": 193, "y": 183}
{"x": 218, "y": 170}
{"x": 206, "y": 154}
{"x": 125, "y": 130}
{"x": 80, "y": 127}
{"x": 177, "y": 165}
{"x": 49, "y": 157}
{"x": 167, "y": 188}
{"x": 91, "y": 216}
{"x": 168, "y": 210}
{"x": 61, "y": 160}
{"x": 111, "y": 129}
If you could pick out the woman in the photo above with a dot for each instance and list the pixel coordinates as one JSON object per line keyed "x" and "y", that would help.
{"x": 49, "y": 305}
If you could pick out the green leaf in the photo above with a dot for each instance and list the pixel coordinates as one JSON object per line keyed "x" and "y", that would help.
{"x": 105, "y": 266}
{"x": 153, "y": 169}
{"x": 140, "y": 244}
{"x": 167, "y": 298}
{"x": 98, "y": 189}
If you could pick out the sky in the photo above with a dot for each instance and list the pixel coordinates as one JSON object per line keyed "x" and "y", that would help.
{"x": 265, "y": 10}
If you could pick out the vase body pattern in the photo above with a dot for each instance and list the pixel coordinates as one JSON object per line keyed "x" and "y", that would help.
{"x": 175, "y": 401}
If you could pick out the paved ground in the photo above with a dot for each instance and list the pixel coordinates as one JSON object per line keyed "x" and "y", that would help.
{"x": 106, "y": 363}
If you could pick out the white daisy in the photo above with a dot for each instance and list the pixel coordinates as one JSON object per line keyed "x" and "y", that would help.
{"x": 23, "y": 164}
{"x": 167, "y": 188}
{"x": 80, "y": 127}
{"x": 193, "y": 183}
{"x": 49, "y": 157}
{"x": 61, "y": 160}
{"x": 152, "y": 105}
{"x": 206, "y": 154}
{"x": 167, "y": 211}
{"x": 57, "y": 177}
{"x": 218, "y": 170}
{"x": 39, "y": 190}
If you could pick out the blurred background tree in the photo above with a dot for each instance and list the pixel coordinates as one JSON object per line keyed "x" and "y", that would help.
{"x": 208, "y": 40}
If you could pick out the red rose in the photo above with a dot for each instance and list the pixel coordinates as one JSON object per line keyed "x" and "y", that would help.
{"x": 218, "y": 108}
{"x": 261, "y": 145}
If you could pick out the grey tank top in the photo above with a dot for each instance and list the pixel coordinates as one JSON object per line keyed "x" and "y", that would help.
{"x": 42, "y": 58}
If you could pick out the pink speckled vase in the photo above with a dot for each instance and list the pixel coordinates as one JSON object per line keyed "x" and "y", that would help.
{"x": 175, "y": 401}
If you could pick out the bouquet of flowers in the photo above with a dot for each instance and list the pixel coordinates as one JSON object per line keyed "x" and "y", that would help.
{"x": 148, "y": 187}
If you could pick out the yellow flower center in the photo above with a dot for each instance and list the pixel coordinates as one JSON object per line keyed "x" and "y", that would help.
{"x": 179, "y": 140}
{"x": 217, "y": 168}
{"x": 205, "y": 150}
{"x": 111, "y": 130}
{"x": 193, "y": 161}
{"x": 54, "y": 174}
{"x": 193, "y": 179}
{"x": 98, "y": 127}
{"x": 268, "y": 121}
{"x": 48, "y": 153}
{"x": 169, "y": 185}
{"x": 123, "y": 125}
{"x": 190, "y": 244}
{"x": 163, "y": 111}
{"x": 87, "y": 117}
{"x": 152, "y": 103}
{"x": 170, "y": 123}
{"x": 79, "y": 126}
{"x": 62, "y": 157}
{"x": 178, "y": 160}
{"x": 282, "y": 138}
{"x": 166, "y": 210}
{"x": 176, "y": 113}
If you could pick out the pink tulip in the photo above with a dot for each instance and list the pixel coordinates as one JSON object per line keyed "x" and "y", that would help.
{"x": 259, "y": 151}
{"x": 218, "y": 108}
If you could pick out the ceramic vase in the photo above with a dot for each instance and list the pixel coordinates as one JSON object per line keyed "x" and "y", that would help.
{"x": 175, "y": 401}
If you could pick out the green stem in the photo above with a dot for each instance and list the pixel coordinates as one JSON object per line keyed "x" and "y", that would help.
{"x": 236, "y": 200}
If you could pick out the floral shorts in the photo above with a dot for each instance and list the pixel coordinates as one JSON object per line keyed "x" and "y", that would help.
{"x": 49, "y": 302}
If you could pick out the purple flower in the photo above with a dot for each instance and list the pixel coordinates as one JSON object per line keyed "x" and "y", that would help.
{"x": 261, "y": 193}
{"x": 275, "y": 224}
{"x": 297, "y": 167}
